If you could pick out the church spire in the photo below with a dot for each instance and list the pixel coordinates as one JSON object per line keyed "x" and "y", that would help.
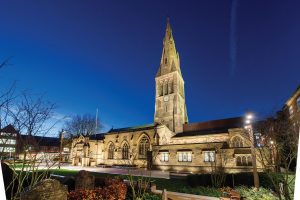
{"x": 168, "y": 35}
{"x": 170, "y": 108}
{"x": 170, "y": 57}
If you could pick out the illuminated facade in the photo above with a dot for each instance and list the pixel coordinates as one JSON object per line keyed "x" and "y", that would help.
{"x": 170, "y": 143}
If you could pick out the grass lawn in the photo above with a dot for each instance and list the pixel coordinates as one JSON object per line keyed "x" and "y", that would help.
{"x": 168, "y": 184}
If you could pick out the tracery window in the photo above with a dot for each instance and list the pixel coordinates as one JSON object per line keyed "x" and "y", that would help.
{"x": 125, "y": 150}
{"x": 144, "y": 147}
{"x": 237, "y": 142}
{"x": 244, "y": 161}
{"x": 111, "y": 151}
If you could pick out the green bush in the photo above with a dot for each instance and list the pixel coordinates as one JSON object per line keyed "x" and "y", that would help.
{"x": 233, "y": 180}
{"x": 200, "y": 190}
{"x": 252, "y": 194}
{"x": 151, "y": 196}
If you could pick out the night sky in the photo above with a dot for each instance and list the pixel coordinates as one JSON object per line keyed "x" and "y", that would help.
{"x": 235, "y": 55}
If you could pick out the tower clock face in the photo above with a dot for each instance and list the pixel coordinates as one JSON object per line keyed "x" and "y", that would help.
{"x": 166, "y": 98}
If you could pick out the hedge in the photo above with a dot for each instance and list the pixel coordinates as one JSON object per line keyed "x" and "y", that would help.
{"x": 231, "y": 180}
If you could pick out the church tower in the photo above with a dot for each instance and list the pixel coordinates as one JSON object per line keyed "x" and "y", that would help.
{"x": 170, "y": 108}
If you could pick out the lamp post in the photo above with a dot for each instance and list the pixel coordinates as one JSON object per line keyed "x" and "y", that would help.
{"x": 248, "y": 126}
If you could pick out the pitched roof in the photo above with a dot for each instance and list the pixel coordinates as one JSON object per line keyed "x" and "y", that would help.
{"x": 98, "y": 136}
{"x": 41, "y": 140}
{"x": 9, "y": 129}
{"x": 131, "y": 129}
{"x": 211, "y": 127}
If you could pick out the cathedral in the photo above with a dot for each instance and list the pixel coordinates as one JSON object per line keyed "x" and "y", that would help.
{"x": 170, "y": 143}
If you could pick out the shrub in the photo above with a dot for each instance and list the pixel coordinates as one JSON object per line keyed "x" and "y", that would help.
{"x": 151, "y": 196}
{"x": 253, "y": 194}
{"x": 232, "y": 180}
{"x": 194, "y": 180}
{"x": 114, "y": 189}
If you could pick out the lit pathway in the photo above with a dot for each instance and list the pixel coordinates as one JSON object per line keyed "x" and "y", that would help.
{"x": 114, "y": 170}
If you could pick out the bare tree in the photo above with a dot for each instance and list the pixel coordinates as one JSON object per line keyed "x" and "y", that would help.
{"x": 31, "y": 116}
{"x": 218, "y": 160}
{"x": 84, "y": 125}
{"x": 280, "y": 140}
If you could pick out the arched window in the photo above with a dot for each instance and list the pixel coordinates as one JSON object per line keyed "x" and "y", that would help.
{"x": 111, "y": 151}
{"x": 125, "y": 151}
{"x": 160, "y": 89}
{"x": 244, "y": 161}
{"x": 238, "y": 161}
{"x": 170, "y": 85}
{"x": 144, "y": 147}
{"x": 249, "y": 159}
{"x": 165, "y": 88}
{"x": 237, "y": 142}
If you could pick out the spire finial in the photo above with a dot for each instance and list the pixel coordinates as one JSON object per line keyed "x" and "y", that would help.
{"x": 168, "y": 35}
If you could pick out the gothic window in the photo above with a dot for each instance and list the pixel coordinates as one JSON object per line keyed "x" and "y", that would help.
{"x": 144, "y": 147}
{"x": 165, "y": 88}
{"x": 244, "y": 161}
{"x": 249, "y": 159}
{"x": 237, "y": 142}
{"x": 170, "y": 87}
{"x": 166, "y": 60}
{"x": 125, "y": 150}
{"x": 161, "y": 89}
{"x": 238, "y": 161}
{"x": 111, "y": 151}
{"x": 298, "y": 103}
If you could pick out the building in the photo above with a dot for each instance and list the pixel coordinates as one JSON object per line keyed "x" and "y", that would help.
{"x": 14, "y": 145}
{"x": 8, "y": 142}
{"x": 292, "y": 107}
{"x": 170, "y": 143}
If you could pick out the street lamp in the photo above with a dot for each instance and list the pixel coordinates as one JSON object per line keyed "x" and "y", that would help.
{"x": 248, "y": 126}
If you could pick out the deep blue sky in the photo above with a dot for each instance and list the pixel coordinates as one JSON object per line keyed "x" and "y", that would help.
{"x": 105, "y": 54}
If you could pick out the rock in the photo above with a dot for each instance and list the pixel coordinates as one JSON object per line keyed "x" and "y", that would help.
{"x": 48, "y": 189}
{"x": 84, "y": 180}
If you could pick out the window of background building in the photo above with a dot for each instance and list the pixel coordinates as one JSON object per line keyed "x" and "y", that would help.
{"x": 185, "y": 156}
{"x": 7, "y": 149}
{"x": 164, "y": 156}
{"x": 209, "y": 156}
{"x": 66, "y": 149}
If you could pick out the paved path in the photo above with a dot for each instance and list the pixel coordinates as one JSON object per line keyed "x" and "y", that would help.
{"x": 114, "y": 170}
